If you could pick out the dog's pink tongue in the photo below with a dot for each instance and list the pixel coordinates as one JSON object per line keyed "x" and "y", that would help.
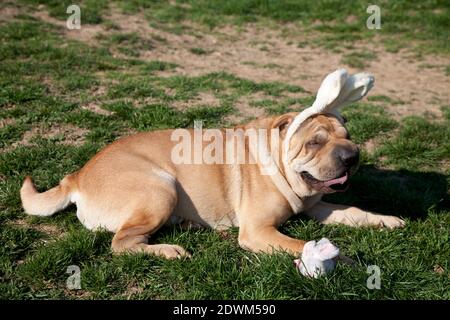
{"x": 340, "y": 180}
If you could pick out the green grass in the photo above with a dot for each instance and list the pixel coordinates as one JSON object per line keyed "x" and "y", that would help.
{"x": 198, "y": 51}
{"x": 419, "y": 144}
{"x": 385, "y": 99}
{"x": 367, "y": 121}
{"x": 46, "y": 80}
{"x": 126, "y": 43}
{"x": 358, "y": 60}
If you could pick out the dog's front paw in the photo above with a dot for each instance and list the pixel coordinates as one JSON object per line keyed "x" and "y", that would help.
{"x": 391, "y": 222}
{"x": 169, "y": 251}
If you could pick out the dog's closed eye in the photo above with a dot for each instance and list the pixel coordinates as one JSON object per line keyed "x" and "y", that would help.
{"x": 313, "y": 143}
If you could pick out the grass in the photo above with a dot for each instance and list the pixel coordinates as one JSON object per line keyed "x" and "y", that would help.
{"x": 419, "y": 144}
{"x": 47, "y": 80}
{"x": 385, "y": 99}
{"x": 400, "y": 23}
{"x": 92, "y": 10}
{"x": 358, "y": 60}
{"x": 338, "y": 23}
{"x": 367, "y": 121}
{"x": 128, "y": 43}
{"x": 198, "y": 51}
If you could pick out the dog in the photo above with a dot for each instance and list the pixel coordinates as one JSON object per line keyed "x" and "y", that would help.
{"x": 132, "y": 188}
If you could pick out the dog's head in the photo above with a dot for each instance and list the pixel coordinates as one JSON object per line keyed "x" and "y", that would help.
{"x": 318, "y": 156}
{"x": 322, "y": 155}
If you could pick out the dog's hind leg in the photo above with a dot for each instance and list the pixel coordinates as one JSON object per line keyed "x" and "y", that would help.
{"x": 152, "y": 212}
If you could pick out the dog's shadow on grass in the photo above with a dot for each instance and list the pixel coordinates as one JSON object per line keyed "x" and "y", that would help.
{"x": 396, "y": 192}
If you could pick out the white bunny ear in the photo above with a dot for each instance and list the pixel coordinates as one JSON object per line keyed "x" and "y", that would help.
{"x": 330, "y": 90}
{"x": 354, "y": 89}
{"x": 339, "y": 89}
{"x": 308, "y": 248}
{"x": 325, "y": 250}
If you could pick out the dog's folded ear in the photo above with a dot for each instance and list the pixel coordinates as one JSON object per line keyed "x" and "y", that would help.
{"x": 282, "y": 122}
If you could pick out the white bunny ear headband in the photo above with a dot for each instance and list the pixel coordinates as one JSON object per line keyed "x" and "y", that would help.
{"x": 337, "y": 89}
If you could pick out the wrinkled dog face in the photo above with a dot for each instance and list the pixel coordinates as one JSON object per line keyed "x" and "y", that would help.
{"x": 324, "y": 155}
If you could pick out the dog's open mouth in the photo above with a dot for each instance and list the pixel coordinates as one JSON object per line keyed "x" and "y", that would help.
{"x": 339, "y": 184}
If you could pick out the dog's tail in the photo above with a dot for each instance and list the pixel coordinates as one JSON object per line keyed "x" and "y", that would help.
{"x": 48, "y": 202}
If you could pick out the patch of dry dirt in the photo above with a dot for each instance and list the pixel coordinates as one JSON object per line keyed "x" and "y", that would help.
{"x": 50, "y": 229}
{"x": 132, "y": 290}
{"x": 6, "y": 121}
{"x": 370, "y": 146}
{"x": 73, "y": 135}
{"x": 7, "y": 13}
{"x": 94, "y": 107}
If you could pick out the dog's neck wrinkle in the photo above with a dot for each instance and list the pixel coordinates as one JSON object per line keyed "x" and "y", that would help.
{"x": 283, "y": 165}
{"x": 279, "y": 179}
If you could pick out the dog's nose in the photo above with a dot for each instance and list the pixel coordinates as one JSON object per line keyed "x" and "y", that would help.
{"x": 349, "y": 157}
